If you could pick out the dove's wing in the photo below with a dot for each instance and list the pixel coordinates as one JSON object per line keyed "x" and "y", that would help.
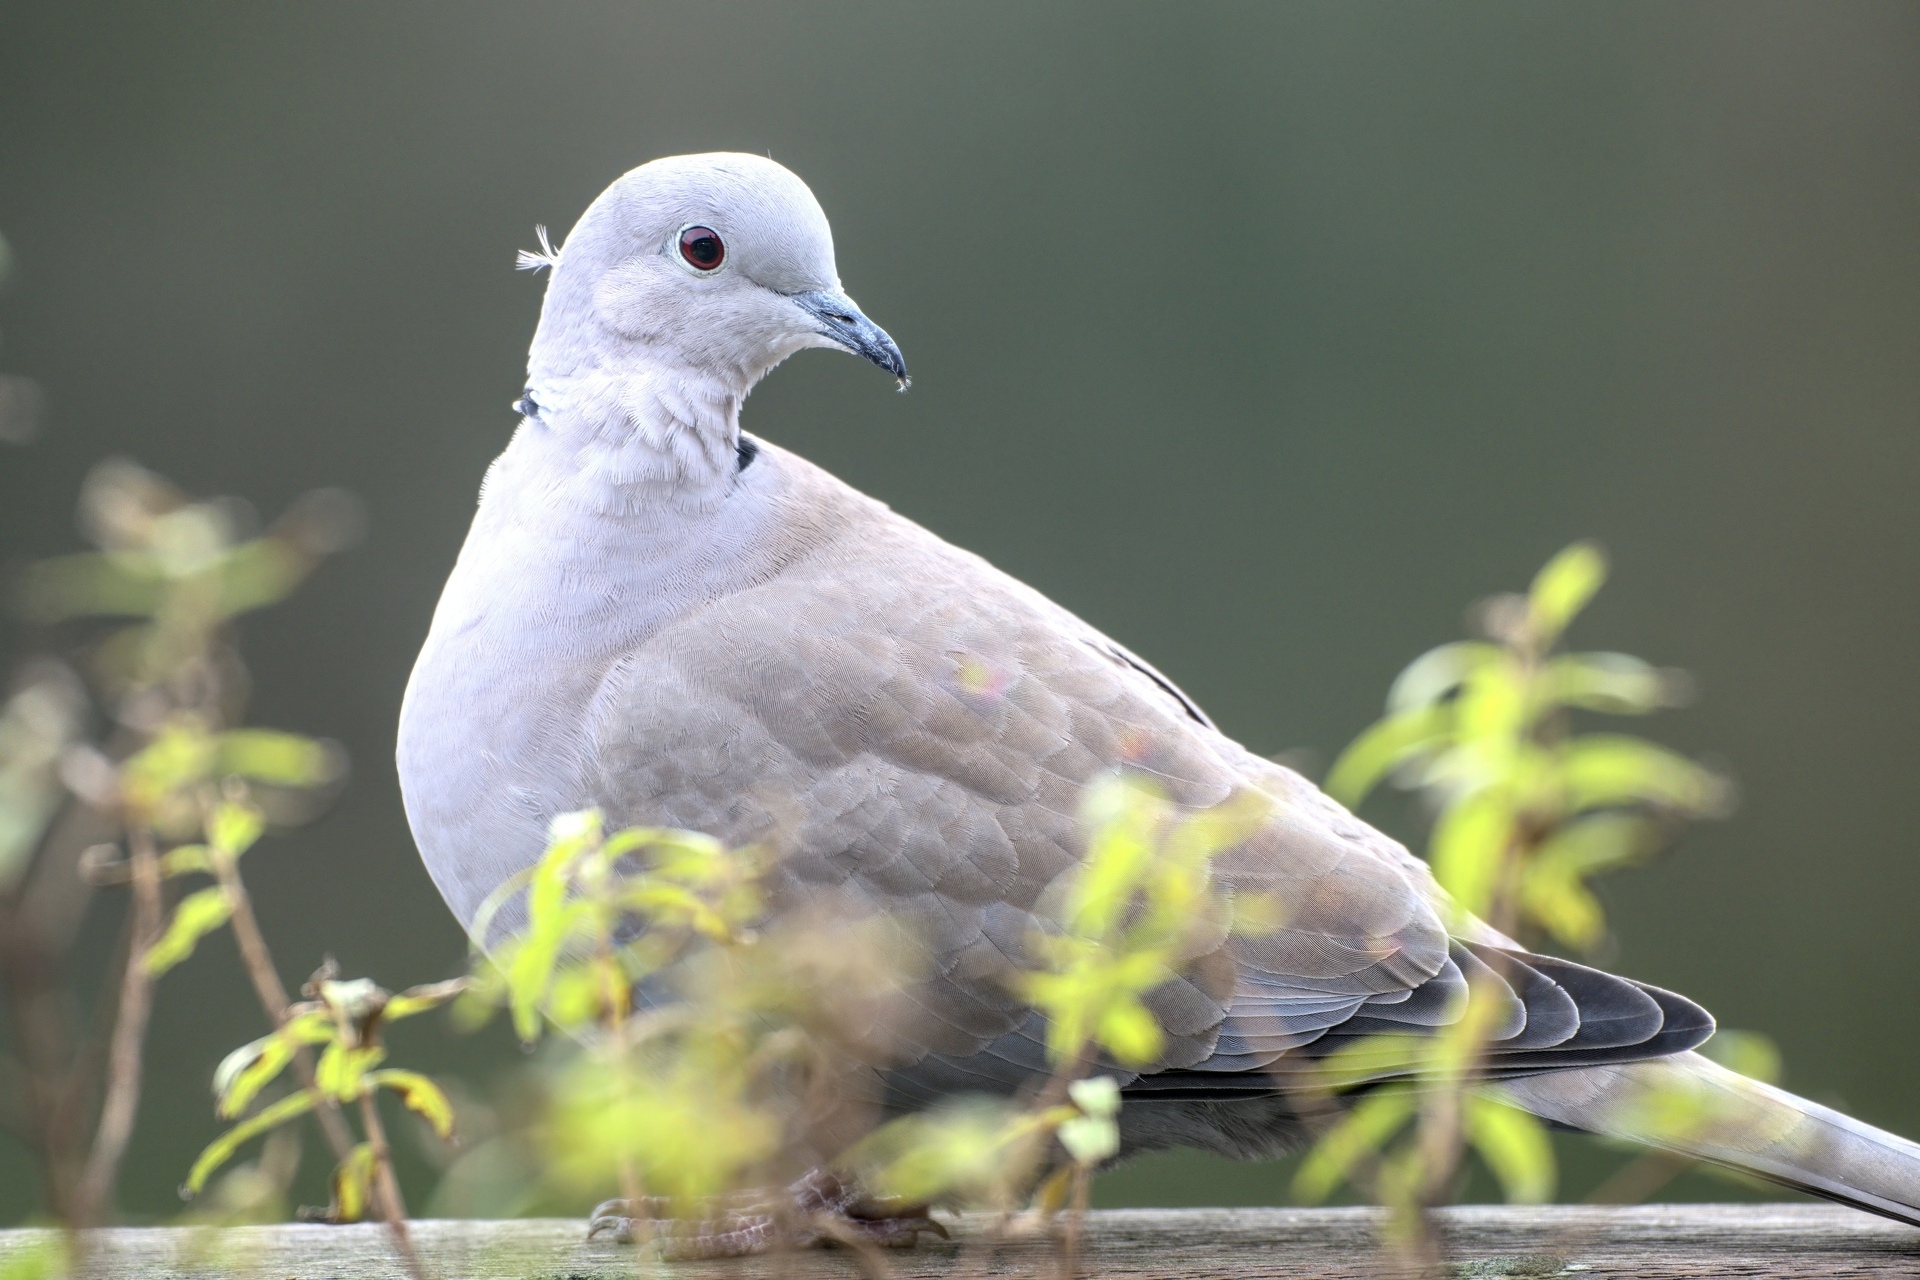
{"x": 915, "y": 730}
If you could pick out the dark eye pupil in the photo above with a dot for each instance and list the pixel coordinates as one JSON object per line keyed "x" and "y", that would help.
{"x": 701, "y": 247}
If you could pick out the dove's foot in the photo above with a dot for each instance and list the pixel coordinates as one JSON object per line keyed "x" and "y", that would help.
{"x": 818, "y": 1209}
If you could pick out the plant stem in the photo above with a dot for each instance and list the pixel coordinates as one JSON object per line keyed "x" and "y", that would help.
{"x": 391, "y": 1206}
{"x": 273, "y": 998}
{"x": 1076, "y": 1216}
{"x": 95, "y": 1190}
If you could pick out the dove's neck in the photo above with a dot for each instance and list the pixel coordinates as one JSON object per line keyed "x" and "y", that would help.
{"x": 629, "y": 441}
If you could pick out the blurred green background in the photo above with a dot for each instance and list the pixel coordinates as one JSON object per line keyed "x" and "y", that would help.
{"x": 1265, "y": 336}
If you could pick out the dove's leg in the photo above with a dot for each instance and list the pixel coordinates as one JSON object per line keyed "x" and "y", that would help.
{"x": 818, "y": 1209}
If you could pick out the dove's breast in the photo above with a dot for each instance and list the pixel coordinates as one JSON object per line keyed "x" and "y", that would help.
{"x": 552, "y": 595}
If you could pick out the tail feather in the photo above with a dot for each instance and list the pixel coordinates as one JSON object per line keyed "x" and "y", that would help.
{"x": 1693, "y": 1106}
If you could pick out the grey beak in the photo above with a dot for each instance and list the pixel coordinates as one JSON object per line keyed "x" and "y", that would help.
{"x": 842, "y": 323}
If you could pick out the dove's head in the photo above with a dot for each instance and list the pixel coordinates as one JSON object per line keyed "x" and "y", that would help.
{"x": 707, "y": 269}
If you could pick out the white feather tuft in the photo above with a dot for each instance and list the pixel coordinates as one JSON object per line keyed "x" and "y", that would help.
{"x": 538, "y": 260}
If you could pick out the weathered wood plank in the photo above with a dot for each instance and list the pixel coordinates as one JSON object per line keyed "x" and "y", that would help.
{"x": 1649, "y": 1241}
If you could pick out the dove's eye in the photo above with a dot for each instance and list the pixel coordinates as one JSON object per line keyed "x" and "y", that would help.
{"x": 701, "y": 248}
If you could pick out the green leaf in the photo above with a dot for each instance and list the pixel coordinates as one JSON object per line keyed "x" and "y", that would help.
{"x": 1438, "y": 672}
{"x": 1617, "y": 683}
{"x": 1609, "y": 770}
{"x": 1089, "y": 1139}
{"x": 180, "y": 755}
{"x": 1371, "y": 1058}
{"x": 1469, "y": 848}
{"x": 1553, "y": 889}
{"x": 1092, "y": 1136}
{"x": 259, "y": 572}
{"x": 222, "y": 1148}
{"x": 1383, "y": 747}
{"x": 1130, "y": 1033}
{"x": 422, "y": 1097}
{"x": 958, "y": 1149}
{"x": 1122, "y": 816}
{"x": 1553, "y": 896}
{"x": 353, "y": 1185}
{"x": 342, "y": 1070}
{"x": 125, "y": 584}
{"x": 1097, "y": 1095}
{"x": 1562, "y": 589}
{"x": 1747, "y": 1052}
{"x": 198, "y": 914}
{"x": 184, "y": 860}
{"x": 415, "y": 1000}
{"x": 244, "y": 1072}
{"x": 1362, "y": 1131}
{"x": 1514, "y": 1145}
{"x": 233, "y": 828}
{"x": 282, "y": 759}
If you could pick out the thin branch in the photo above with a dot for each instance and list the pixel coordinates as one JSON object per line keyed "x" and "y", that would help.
{"x": 94, "y": 1193}
{"x": 273, "y": 998}
{"x": 392, "y": 1208}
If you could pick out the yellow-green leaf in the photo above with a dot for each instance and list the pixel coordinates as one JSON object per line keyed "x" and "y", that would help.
{"x": 1090, "y": 1139}
{"x": 1563, "y": 588}
{"x": 233, "y": 828}
{"x": 341, "y": 1072}
{"x": 90, "y": 584}
{"x": 422, "y": 1097}
{"x": 1366, "y": 1128}
{"x": 222, "y": 1148}
{"x": 1128, "y": 1031}
{"x": 198, "y": 914}
{"x": 1747, "y": 1052}
{"x": 1555, "y": 898}
{"x": 419, "y": 999}
{"x": 184, "y": 860}
{"x": 1469, "y": 847}
{"x": 353, "y": 1184}
{"x": 244, "y": 1072}
{"x": 1606, "y": 770}
{"x": 1438, "y": 672}
{"x": 1370, "y": 1058}
{"x": 1384, "y": 746}
{"x": 1618, "y": 683}
{"x": 284, "y": 759}
{"x": 1097, "y": 1095}
{"x": 959, "y": 1149}
{"x": 1514, "y": 1145}
{"x": 259, "y": 572}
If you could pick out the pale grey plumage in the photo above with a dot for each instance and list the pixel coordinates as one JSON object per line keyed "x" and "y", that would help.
{"x": 659, "y": 616}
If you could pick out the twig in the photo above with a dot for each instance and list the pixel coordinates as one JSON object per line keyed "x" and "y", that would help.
{"x": 1076, "y": 1217}
{"x": 273, "y": 998}
{"x": 122, "y": 1103}
{"x": 391, "y": 1206}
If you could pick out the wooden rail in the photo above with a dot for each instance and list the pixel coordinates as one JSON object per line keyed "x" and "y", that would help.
{"x": 1484, "y": 1242}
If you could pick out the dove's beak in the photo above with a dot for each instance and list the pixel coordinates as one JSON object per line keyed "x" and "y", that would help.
{"x": 842, "y": 324}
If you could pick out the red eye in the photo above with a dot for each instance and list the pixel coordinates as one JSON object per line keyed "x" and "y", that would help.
{"x": 702, "y": 249}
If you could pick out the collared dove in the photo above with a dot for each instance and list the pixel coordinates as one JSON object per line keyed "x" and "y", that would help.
{"x": 660, "y": 615}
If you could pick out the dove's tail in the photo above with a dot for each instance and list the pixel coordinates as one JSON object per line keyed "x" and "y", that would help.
{"x": 1695, "y": 1107}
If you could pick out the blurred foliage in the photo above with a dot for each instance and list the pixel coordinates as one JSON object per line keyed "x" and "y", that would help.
{"x": 723, "y": 1047}
{"x": 344, "y": 1020}
{"x": 155, "y": 770}
{"x": 1527, "y": 810}
{"x": 44, "y": 717}
{"x": 713, "y": 1041}
{"x": 1138, "y": 908}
